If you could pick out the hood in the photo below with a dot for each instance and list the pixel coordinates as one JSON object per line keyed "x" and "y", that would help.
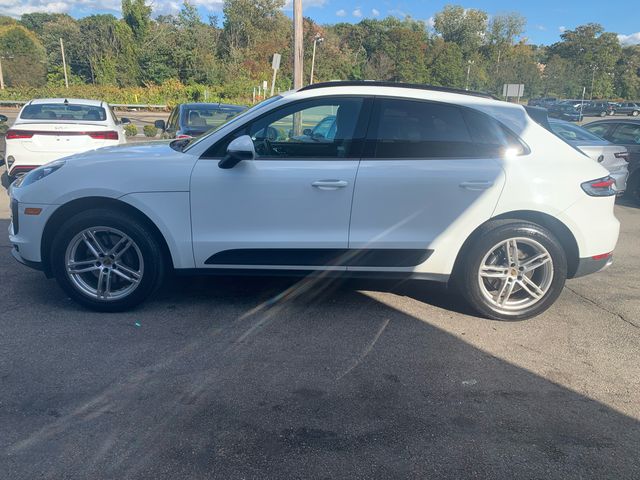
{"x": 130, "y": 151}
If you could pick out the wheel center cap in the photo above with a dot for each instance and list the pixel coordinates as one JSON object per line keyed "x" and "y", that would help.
{"x": 514, "y": 272}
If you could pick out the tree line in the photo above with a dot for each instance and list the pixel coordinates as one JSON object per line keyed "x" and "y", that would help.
{"x": 464, "y": 48}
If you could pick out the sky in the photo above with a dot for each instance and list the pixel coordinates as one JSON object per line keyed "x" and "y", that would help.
{"x": 547, "y": 19}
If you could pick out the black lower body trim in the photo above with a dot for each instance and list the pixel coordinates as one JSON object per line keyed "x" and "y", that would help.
{"x": 260, "y": 272}
{"x": 320, "y": 257}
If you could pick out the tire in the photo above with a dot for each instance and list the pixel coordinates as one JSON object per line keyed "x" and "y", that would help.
{"x": 635, "y": 113}
{"x": 118, "y": 260}
{"x": 485, "y": 289}
{"x": 632, "y": 193}
{"x": 603, "y": 114}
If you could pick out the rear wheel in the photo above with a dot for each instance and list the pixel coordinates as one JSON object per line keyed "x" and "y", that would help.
{"x": 603, "y": 114}
{"x": 106, "y": 261}
{"x": 514, "y": 270}
{"x": 635, "y": 113}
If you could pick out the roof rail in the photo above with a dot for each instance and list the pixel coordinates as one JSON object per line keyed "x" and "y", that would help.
{"x": 375, "y": 83}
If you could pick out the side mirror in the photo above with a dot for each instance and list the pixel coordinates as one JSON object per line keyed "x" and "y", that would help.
{"x": 239, "y": 149}
{"x": 125, "y": 121}
{"x": 160, "y": 125}
{"x": 307, "y": 132}
{"x": 3, "y": 118}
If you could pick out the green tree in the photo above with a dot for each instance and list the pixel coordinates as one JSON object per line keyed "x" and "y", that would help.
{"x": 137, "y": 14}
{"x": 465, "y": 27}
{"x": 24, "y": 63}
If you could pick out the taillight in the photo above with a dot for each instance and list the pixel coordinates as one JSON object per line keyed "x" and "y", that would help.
{"x": 600, "y": 187}
{"x": 16, "y": 134}
{"x": 108, "y": 135}
{"x": 183, "y": 136}
{"x": 624, "y": 155}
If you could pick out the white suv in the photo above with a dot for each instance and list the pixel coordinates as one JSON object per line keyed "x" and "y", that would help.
{"x": 416, "y": 182}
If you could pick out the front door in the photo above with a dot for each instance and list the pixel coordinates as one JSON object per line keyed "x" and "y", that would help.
{"x": 289, "y": 208}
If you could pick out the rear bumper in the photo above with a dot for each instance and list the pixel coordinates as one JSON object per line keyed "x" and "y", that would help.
{"x": 587, "y": 266}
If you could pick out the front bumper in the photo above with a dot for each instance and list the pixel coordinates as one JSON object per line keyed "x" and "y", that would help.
{"x": 16, "y": 254}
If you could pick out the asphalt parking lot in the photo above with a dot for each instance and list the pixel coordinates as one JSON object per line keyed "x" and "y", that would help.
{"x": 272, "y": 378}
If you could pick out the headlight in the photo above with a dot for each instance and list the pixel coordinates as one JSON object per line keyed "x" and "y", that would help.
{"x": 39, "y": 173}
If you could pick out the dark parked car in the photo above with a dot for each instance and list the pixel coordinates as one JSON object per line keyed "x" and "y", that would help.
{"x": 564, "y": 111}
{"x": 542, "y": 102}
{"x": 600, "y": 109}
{"x": 626, "y": 133}
{"x": 193, "y": 119}
{"x": 627, "y": 108}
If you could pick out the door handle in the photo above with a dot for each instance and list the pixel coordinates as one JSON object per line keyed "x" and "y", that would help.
{"x": 476, "y": 185}
{"x": 329, "y": 184}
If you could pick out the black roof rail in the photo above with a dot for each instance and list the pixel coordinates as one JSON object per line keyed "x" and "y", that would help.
{"x": 376, "y": 83}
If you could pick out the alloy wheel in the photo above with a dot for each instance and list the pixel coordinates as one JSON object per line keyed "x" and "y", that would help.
{"x": 515, "y": 274}
{"x": 104, "y": 263}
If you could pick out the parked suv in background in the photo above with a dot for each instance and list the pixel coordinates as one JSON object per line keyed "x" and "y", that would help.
{"x": 627, "y": 108}
{"x": 599, "y": 109}
{"x": 417, "y": 183}
{"x": 189, "y": 120}
{"x": 626, "y": 133}
{"x": 563, "y": 111}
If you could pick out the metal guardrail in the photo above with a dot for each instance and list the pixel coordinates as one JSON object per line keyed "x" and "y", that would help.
{"x": 117, "y": 105}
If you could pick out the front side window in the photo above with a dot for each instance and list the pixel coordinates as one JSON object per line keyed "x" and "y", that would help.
{"x": 627, "y": 134}
{"x": 298, "y": 131}
{"x": 416, "y": 129}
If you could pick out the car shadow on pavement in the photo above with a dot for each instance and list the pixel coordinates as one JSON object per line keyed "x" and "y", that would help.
{"x": 273, "y": 378}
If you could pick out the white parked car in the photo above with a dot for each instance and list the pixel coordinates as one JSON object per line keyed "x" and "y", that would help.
{"x": 612, "y": 157}
{"x": 418, "y": 182}
{"x": 51, "y": 128}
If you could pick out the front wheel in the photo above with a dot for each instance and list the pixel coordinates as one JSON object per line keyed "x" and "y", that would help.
{"x": 635, "y": 113}
{"x": 513, "y": 270}
{"x": 603, "y": 114}
{"x": 106, "y": 261}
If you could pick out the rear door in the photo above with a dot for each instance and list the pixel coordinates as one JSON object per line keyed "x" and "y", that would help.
{"x": 628, "y": 134}
{"x": 427, "y": 166}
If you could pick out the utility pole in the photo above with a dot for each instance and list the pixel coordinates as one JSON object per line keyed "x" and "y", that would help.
{"x": 297, "y": 44}
{"x": 317, "y": 39}
{"x": 64, "y": 65}
{"x": 1, "y": 75}
{"x": 593, "y": 77}
{"x": 468, "y": 73}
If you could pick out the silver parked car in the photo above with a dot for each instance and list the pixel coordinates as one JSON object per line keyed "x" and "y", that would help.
{"x": 612, "y": 157}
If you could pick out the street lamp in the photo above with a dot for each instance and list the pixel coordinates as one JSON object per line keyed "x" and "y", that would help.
{"x": 316, "y": 39}
{"x": 470, "y": 62}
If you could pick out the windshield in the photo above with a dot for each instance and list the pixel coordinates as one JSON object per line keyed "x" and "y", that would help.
{"x": 64, "y": 112}
{"x": 572, "y": 133}
{"x": 206, "y": 117}
{"x": 235, "y": 119}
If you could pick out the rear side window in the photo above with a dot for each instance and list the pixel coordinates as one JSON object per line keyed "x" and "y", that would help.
{"x": 64, "y": 112}
{"x": 415, "y": 129}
